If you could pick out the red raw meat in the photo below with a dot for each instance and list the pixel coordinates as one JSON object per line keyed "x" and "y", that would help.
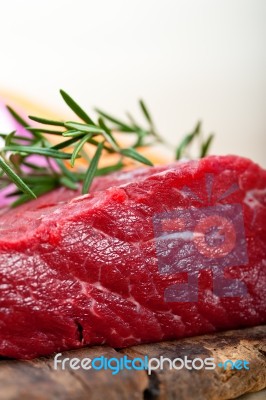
{"x": 116, "y": 266}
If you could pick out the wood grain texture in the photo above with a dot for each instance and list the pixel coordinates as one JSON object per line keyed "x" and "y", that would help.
{"x": 37, "y": 379}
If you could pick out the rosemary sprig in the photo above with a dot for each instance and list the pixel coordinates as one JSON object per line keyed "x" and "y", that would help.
{"x": 134, "y": 127}
{"x": 188, "y": 139}
{"x": 48, "y": 152}
{"x": 76, "y": 108}
{"x": 182, "y": 149}
{"x": 92, "y": 169}
{"x": 32, "y": 180}
{"x": 206, "y": 145}
{"x": 15, "y": 178}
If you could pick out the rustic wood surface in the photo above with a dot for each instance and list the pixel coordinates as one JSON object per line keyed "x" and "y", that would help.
{"x": 37, "y": 379}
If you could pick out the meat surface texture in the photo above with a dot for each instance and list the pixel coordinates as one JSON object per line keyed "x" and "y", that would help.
{"x": 149, "y": 255}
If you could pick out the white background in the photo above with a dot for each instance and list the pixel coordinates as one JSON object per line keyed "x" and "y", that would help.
{"x": 188, "y": 59}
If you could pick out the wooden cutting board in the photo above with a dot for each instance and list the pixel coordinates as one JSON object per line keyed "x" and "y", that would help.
{"x": 38, "y": 380}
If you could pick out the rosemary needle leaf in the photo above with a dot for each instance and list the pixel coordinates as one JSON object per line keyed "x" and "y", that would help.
{"x": 78, "y": 147}
{"x": 121, "y": 125}
{"x": 111, "y": 168}
{"x": 46, "y": 121}
{"x": 206, "y": 145}
{"x": 103, "y": 125}
{"x": 76, "y": 108}
{"x": 48, "y": 131}
{"x": 4, "y": 135}
{"x": 33, "y": 166}
{"x": 40, "y": 179}
{"x": 48, "y": 152}
{"x": 131, "y": 153}
{"x": 145, "y": 112}
{"x": 9, "y": 138}
{"x": 16, "y": 179}
{"x": 108, "y": 135}
{"x": 92, "y": 169}
{"x": 86, "y": 128}
{"x": 187, "y": 140}
{"x": 41, "y": 189}
{"x": 184, "y": 143}
{"x": 21, "y": 200}
{"x": 68, "y": 183}
{"x": 197, "y": 128}
{"x": 140, "y": 138}
{"x": 15, "y": 193}
{"x": 107, "y": 148}
{"x": 132, "y": 120}
{"x": 72, "y": 133}
{"x": 17, "y": 117}
{"x": 21, "y": 121}
{"x": 66, "y": 172}
{"x": 65, "y": 144}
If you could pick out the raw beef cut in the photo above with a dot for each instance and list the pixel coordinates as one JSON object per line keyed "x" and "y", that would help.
{"x": 149, "y": 255}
